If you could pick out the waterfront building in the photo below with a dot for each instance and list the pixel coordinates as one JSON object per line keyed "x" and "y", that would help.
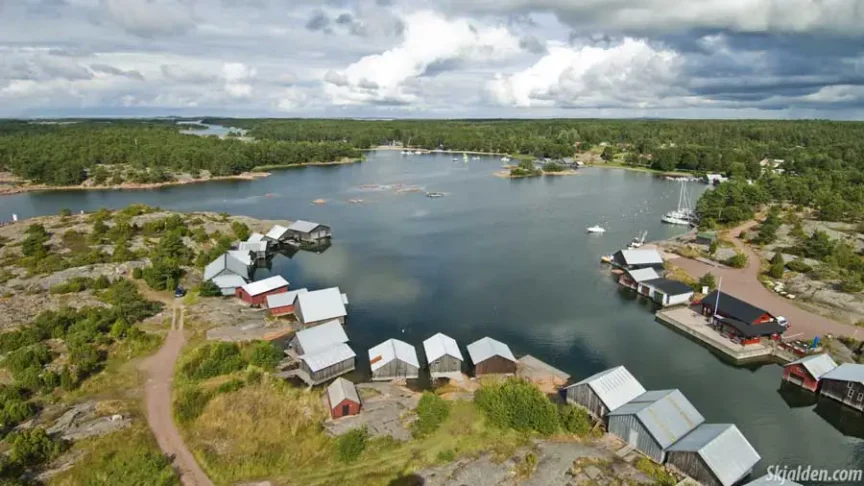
{"x": 632, "y": 278}
{"x": 666, "y": 292}
{"x": 636, "y": 259}
{"x": 845, "y": 384}
{"x": 807, "y": 371}
{"x": 343, "y": 398}
{"x": 714, "y": 455}
{"x": 317, "y": 306}
{"x": 443, "y": 355}
{"x": 308, "y": 232}
{"x": 256, "y": 293}
{"x": 277, "y": 234}
{"x": 394, "y": 359}
{"x": 605, "y": 391}
{"x": 491, "y": 357}
{"x": 257, "y": 249}
{"x": 319, "y": 338}
{"x": 322, "y": 365}
{"x": 228, "y": 284}
{"x": 226, "y": 264}
{"x": 740, "y": 320}
{"x": 283, "y": 304}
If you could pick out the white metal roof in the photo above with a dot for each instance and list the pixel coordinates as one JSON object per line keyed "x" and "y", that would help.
{"x": 666, "y": 414}
{"x": 847, "y": 372}
{"x": 303, "y": 226}
{"x": 321, "y": 337}
{"x": 283, "y": 299}
{"x": 769, "y": 480}
{"x": 817, "y": 364}
{"x": 724, "y": 449}
{"x": 614, "y": 387}
{"x": 485, "y": 348}
{"x": 266, "y": 285}
{"x": 320, "y": 305}
{"x": 643, "y": 274}
{"x": 241, "y": 256}
{"x": 257, "y": 246}
{"x": 277, "y": 232}
{"x": 255, "y": 238}
{"x": 328, "y": 357}
{"x": 392, "y": 349}
{"x": 641, "y": 257}
{"x": 440, "y": 345}
{"x": 225, "y": 262}
{"x": 230, "y": 281}
{"x": 340, "y": 390}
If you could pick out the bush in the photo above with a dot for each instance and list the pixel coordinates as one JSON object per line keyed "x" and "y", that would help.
{"x": 432, "y": 410}
{"x": 35, "y": 356}
{"x": 351, "y": 445}
{"x": 574, "y": 420}
{"x": 190, "y": 403}
{"x": 799, "y": 266}
{"x": 263, "y": 354}
{"x": 737, "y": 261}
{"x": 213, "y": 359}
{"x": 852, "y": 284}
{"x": 209, "y": 289}
{"x": 241, "y": 231}
{"x": 519, "y": 405}
{"x": 660, "y": 475}
{"x": 137, "y": 273}
{"x": 33, "y": 447}
{"x": 446, "y": 456}
{"x": 707, "y": 280}
{"x": 778, "y": 266}
{"x": 231, "y": 386}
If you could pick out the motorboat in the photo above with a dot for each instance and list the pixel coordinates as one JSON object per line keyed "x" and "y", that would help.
{"x": 638, "y": 241}
{"x": 434, "y": 194}
{"x": 607, "y": 258}
{"x": 596, "y": 229}
{"x": 505, "y": 159}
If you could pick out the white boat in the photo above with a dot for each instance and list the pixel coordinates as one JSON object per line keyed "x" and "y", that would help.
{"x": 406, "y": 152}
{"x": 596, "y": 229}
{"x": 675, "y": 220}
{"x": 638, "y": 241}
{"x": 475, "y": 158}
{"x": 434, "y": 194}
{"x": 418, "y": 153}
{"x": 683, "y": 215}
{"x": 464, "y": 156}
{"x": 455, "y": 159}
{"x": 505, "y": 159}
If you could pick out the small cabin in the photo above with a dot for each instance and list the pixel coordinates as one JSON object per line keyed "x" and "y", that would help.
{"x": 632, "y": 278}
{"x": 323, "y": 365}
{"x": 636, "y": 259}
{"x": 666, "y": 292}
{"x": 605, "y": 391}
{"x": 228, "y": 284}
{"x": 443, "y": 355}
{"x": 318, "y": 338}
{"x": 242, "y": 256}
{"x": 283, "y": 304}
{"x": 392, "y": 360}
{"x": 255, "y": 238}
{"x": 714, "y": 455}
{"x": 307, "y": 231}
{"x": 277, "y": 234}
{"x": 491, "y": 357}
{"x": 845, "y": 384}
{"x": 653, "y": 421}
{"x": 807, "y": 371}
{"x": 317, "y": 306}
{"x": 343, "y": 398}
{"x": 256, "y": 293}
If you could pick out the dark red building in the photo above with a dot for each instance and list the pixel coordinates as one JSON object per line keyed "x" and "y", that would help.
{"x": 739, "y": 320}
{"x": 282, "y": 304}
{"x": 343, "y": 399}
{"x": 807, "y": 371}
{"x": 256, "y": 293}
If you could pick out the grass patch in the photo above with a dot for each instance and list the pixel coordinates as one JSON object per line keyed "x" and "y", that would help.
{"x": 191, "y": 298}
{"x": 661, "y": 476}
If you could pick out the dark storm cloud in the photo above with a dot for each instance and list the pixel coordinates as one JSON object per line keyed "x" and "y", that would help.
{"x": 319, "y": 22}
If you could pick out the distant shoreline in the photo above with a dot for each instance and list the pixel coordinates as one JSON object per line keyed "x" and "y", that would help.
{"x": 126, "y": 186}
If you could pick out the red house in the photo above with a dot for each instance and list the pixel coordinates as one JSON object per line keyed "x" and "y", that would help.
{"x": 724, "y": 305}
{"x": 283, "y": 303}
{"x": 343, "y": 398}
{"x": 807, "y": 371}
{"x": 256, "y": 293}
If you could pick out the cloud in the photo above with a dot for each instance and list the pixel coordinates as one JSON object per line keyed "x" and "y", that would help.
{"x": 150, "y": 18}
{"x": 106, "y": 69}
{"x": 186, "y": 74}
{"x": 319, "y": 22}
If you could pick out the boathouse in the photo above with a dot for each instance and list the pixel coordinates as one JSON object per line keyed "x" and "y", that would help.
{"x": 394, "y": 359}
{"x": 226, "y": 264}
{"x": 443, "y": 356}
{"x": 307, "y": 231}
{"x": 845, "y": 384}
{"x": 320, "y": 366}
{"x": 714, "y": 455}
{"x": 666, "y": 292}
{"x": 721, "y": 304}
{"x": 491, "y": 357}
{"x": 255, "y": 238}
{"x": 277, "y": 234}
{"x": 636, "y": 259}
{"x": 228, "y": 284}
{"x": 256, "y": 293}
{"x": 319, "y": 306}
{"x": 769, "y": 480}
{"x": 654, "y": 421}
{"x": 605, "y": 391}
{"x": 318, "y": 338}
{"x": 343, "y": 398}
{"x": 632, "y": 278}
{"x": 283, "y": 304}
{"x": 242, "y": 256}
{"x": 747, "y": 334}
{"x": 807, "y": 371}
{"x": 258, "y": 249}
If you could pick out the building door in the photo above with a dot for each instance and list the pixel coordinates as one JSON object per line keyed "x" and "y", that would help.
{"x": 796, "y": 379}
{"x": 633, "y": 438}
{"x": 346, "y": 410}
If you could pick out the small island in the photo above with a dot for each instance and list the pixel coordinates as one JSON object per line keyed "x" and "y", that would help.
{"x": 528, "y": 168}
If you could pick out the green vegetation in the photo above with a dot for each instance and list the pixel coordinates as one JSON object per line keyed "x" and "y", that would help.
{"x": 707, "y": 280}
{"x": 432, "y": 410}
{"x": 778, "y": 266}
{"x": 575, "y": 420}
{"x": 737, "y": 261}
{"x": 80, "y": 284}
{"x": 351, "y": 445}
{"x": 553, "y": 167}
{"x": 526, "y": 168}
{"x": 661, "y": 476}
{"x": 518, "y": 405}
{"x": 768, "y": 228}
{"x": 839, "y": 260}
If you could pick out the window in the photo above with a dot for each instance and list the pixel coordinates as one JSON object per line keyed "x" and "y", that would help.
{"x": 860, "y": 397}
{"x": 851, "y": 393}
{"x": 849, "y": 385}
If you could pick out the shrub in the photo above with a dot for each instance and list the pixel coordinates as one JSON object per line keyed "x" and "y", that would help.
{"x": 213, "y": 359}
{"x": 209, "y": 289}
{"x": 432, "y": 410}
{"x": 852, "y": 284}
{"x": 263, "y": 354}
{"x": 190, "y": 403}
{"x": 519, "y": 405}
{"x": 574, "y": 420}
{"x": 778, "y": 266}
{"x": 660, "y": 475}
{"x": 707, "y": 280}
{"x": 241, "y": 231}
{"x": 351, "y": 445}
{"x": 446, "y": 456}
{"x": 137, "y": 273}
{"x": 798, "y": 265}
{"x": 34, "y": 356}
{"x": 231, "y": 386}
{"x": 737, "y": 261}
{"x": 65, "y": 212}
{"x": 33, "y": 447}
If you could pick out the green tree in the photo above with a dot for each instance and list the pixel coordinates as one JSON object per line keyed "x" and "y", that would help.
{"x": 707, "y": 280}
{"x": 241, "y": 231}
{"x": 778, "y": 266}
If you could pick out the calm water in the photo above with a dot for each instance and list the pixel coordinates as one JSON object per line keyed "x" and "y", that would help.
{"x": 508, "y": 259}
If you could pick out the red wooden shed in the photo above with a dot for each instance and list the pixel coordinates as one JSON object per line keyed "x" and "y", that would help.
{"x": 256, "y": 293}
{"x": 807, "y": 371}
{"x": 343, "y": 398}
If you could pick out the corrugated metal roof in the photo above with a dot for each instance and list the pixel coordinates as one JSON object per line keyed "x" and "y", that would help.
{"x": 320, "y": 305}
{"x": 847, "y": 372}
{"x": 241, "y": 256}
{"x": 641, "y": 257}
{"x": 255, "y": 238}
{"x": 724, "y": 449}
{"x": 769, "y": 480}
{"x": 229, "y": 281}
{"x": 321, "y": 337}
{"x": 256, "y": 247}
{"x": 392, "y": 349}
{"x": 303, "y": 226}
{"x": 342, "y": 389}
{"x": 283, "y": 299}
{"x": 615, "y": 386}
{"x": 485, "y": 348}
{"x": 643, "y": 274}
{"x": 328, "y": 357}
{"x": 266, "y": 285}
{"x": 440, "y": 345}
{"x": 277, "y": 232}
{"x": 669, "y": 287}
{"x": 817, "y": 364}
{"x": 666, "y": 414}
{"x": 225, "y": 262}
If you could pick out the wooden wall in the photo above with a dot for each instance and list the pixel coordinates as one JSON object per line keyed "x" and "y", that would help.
{"x": 395, "y": 369}
{"x": 585, "y": 396}
{"x": 330, "y": 372}
{"x": 446, "y": 364}
{"x": 847, "y": 392}
{"x": 495, "y": 365}
{"x": 621, "y": 425}
{"x": 691, "y": 464}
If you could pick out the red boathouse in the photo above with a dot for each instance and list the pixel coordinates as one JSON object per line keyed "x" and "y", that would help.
{"x": 343, "y": 398}
{"x": 807, "y": 371}
{"x": 256, "y": 293}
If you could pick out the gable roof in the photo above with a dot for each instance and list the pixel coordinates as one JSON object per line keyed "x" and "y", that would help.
{"x": 643, "y": 274}
{"x": 266, "y": 285}
{"x": 485, "y": 348}
{"x": 638, "y": 257}
{"x": 328, "y": 357}
{"x": 666, "y": 414}
{"x": 846, "y": 372}
{"x": 320, "y": 305}
{"x": 256, "y": 246}
{"x": 283, "y": 299}
{"x": 303, "y": 226}
{"x": 230, "y": 281}
{"x": 614, "y": 387}
{"x": 440, "y": 345}
{"x": 241, "y": 256}
{"x": 723, "y": 447}
{"x": 276, "y": 232}
{"x": 321, "y": 337}
{"x": 734, "y": 307}
{"x": 255, "y": 238}
{"x": 342, "y": 389}
{"x": 816, "y": 364}
{"x": 392, "y": 349}
{"x": 225, "y": 262}
{"x": 754, "y": 330}
{"x": 669, "y": 287}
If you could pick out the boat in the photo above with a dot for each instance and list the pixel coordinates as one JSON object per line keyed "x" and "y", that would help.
{"x": 475, "y": 158}
{"x": 455, "y": 159}
{"x": 464, "y": 156}
{"x": 638, "y": 241}
{"x": 505, "y": 159}
{"x": 596, "y": 229}
{"x": 418, "y": 152}
{"x": 607, "y": 258}
{"x": 683, "y": 215}
{"x": 434, "y": 194}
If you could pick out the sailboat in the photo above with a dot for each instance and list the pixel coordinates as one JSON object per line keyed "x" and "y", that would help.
{"x": 464, "y": 156}
{"x": 637, "y": 241}
{"x": 683, "y": 215}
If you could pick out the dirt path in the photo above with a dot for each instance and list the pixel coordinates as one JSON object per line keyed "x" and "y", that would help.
{"x": 160, "y": 371}
{"x": 744, "y": 284}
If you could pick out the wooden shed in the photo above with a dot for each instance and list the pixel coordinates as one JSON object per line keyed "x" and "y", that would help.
{"x": 807, "y": 371}
{"x": 443, "y": 356}
{"x": 845, "y": 384}
{"x": 654, "y": 421}
{"x": 491, "y": 357}
{"x": 283, "y": 304}
{"x": 256, "y": 293}
{"x": 326, "y": 364}
{"x": 317, "y": 306}
{"x": 318, "y": 338}
{"x": 714, "y": 455}
{"x": 343, "y": 398}
{"x": 605, "y": 391}
{"x": 394, "y": 359}
{"x": 308, "y": 232}
{"x": 666, "y": 292}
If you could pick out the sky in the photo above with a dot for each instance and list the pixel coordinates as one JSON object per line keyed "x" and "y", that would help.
{"x": 433, "y": 58}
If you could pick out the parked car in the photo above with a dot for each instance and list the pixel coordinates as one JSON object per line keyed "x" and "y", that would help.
{"x": 179, "y": 292}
